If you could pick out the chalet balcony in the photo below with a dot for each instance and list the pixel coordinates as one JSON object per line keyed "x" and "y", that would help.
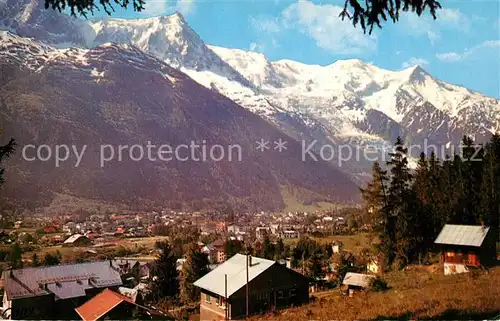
{"x": 470, "y": 259}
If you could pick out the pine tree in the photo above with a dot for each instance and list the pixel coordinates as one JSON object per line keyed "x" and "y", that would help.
{"x": 268, "y": 250}
{"x": 490, "y": 188}
{"x": 16, "y": 257}
{"x": 51, "y": 259}
{"x": 195, "y": 267}
{"x": 374, "y": 195}
{"x": 35, "y": 261}
{"x": 232, "y": 247}
{"x": 402, "y": 205}
{"x": 470, "y": 180}
{"x": 279, "y": 251}
{"x": 164, "y": 278}
{"x": 5, "y": 151}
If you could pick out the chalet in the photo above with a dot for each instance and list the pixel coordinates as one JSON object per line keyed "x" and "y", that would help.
{"x": 356, "y": 282}
{"x": 270, "y": 285}
{"x": 373, "y": 266}
{"x": 290, "y": 234}
{"x": 262, "y": 231}
{"x": 464, "y": 247}
{"x": 77, "y": 240}
{"x": 54, "y": 292}
{"x": 109, "y": 305}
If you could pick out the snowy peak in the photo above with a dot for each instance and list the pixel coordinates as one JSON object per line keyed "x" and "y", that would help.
{"x": 29, "y": 18}
{"x": 167, "y": 37}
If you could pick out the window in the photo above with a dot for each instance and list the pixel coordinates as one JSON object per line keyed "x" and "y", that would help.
{"x": 293, "y": 292}
{"x": 207, "y": 298}
{"x": 280, "y": 294}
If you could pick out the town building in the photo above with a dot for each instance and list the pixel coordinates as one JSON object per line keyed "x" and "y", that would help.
{"x": 77, "y": 240}
{"x": 356, "y": 282}
{"x": 290, "y": 234}
{"x": 464, "y": 247}
{"x": 270, "y": 285}
{"x": 109, "y": 305}
{"x": 373, "y": 266}
{"x": 53, "y": 292}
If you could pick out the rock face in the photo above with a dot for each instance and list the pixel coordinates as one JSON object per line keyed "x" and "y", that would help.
{"x": 118, "y": 95}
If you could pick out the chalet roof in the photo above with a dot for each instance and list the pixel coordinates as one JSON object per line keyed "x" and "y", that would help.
{"x": 235, "y": 268}
{"x": 466, "y": 235}
{"x": 101, "y": 304}
{"x": 358, "y": 279}
{"x": 65, "y": 281}
{"x": 73, "y": 238}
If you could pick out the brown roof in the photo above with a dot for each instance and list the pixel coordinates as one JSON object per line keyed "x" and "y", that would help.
{"x": 101, "y": 304}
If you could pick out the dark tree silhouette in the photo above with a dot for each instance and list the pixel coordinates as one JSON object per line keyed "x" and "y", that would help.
{"x": 368, "y": 14}
{"x": 374, "y": 11}
{"x": 6, "y": 151}
{"x": 84, "y": 7}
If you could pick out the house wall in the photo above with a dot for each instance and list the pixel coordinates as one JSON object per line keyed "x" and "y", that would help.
{"x": 210, "y": 311}
{"x": 277, "y": 287}
{"x": 454, "y": 268}
{"x": 33, "y": 308}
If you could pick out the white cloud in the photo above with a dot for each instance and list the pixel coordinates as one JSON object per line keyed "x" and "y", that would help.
{"x": 322, "y": 23}
{"x": 425, "y": 25}
{"x": 154, "y": 7}
{"x": 262, "y": 46}
{"x": 414, "y": 61}
{"x": 454, "y": 56}
{"x": 185, "y": 7}
{"x": 265, "y": 24}
{"x": 161, "y": 7}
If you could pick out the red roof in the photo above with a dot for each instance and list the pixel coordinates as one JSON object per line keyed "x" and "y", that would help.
{"x": 101, "y": 304}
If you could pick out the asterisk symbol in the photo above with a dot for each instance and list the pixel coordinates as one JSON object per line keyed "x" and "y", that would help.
{"x": 280, "y": 145}
{"x": 262, "y": 145}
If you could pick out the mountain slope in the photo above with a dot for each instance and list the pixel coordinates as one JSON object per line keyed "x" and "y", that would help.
{"x": 118, "y": 95}
{"x": 348, "y": 103}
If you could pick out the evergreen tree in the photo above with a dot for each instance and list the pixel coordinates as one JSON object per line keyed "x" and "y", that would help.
{"x": 164, "y": 278}
{"x": 51, "y": 259}
{"x": 402, "y": 205}
{"x": 195, "y": 267}
{"x": 374, "y": 196}
{"x": 490, "y": 189}
{"x": 35, "y": 261}
{"x": 16, "y": 257}
{"x": 268, "y": 250}
{"x": 279, "y": 250}
{"x": 232, "y": 247}
{"x": 5, "y": 151}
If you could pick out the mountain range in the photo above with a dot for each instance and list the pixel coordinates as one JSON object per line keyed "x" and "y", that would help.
{"x": 347, "y": 103}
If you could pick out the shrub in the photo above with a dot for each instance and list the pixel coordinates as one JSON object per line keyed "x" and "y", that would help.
{"x": 378, "y": 285}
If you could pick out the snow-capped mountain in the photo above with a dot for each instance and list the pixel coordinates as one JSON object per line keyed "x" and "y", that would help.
{"x": 117, "y": 95}
{"x": 348, "y": 101}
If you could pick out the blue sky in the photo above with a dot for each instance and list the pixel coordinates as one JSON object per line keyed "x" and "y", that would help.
{"x": 461, "y": 47}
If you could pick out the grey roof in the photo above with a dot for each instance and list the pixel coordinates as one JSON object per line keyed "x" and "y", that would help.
{"x": 235, "y": 268}
{"x": 73, "y": 238}
{"x": 65, "y": 281}
{"x": 467, "y": 235}
{"x": 358, "y": 279}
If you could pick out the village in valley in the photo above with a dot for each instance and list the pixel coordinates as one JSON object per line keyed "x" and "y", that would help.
{"x": 249, "y": 160}
{"x": 222, "y": 266}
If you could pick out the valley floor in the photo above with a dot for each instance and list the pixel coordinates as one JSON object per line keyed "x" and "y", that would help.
{"x": 419, "y": 294}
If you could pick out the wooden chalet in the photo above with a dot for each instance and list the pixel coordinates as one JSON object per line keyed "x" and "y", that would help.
{"x": 464, "y": 247}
